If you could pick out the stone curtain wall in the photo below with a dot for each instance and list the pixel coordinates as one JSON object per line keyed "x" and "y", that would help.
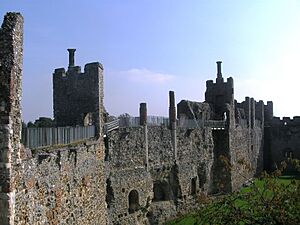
{"x": 11, "y": 57}
{"x": 169, "y": 188}
{"x": 246, "y": 154}
{"x": 247, "y": 141}
{"x": 126, "y": 171}
{"x": 61, "y": 186}
{"x": 284, "y": 140}
{"x": 198, "y": 169}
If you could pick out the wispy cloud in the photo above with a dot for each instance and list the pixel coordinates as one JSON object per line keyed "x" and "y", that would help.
{"x": 146, "y": 76}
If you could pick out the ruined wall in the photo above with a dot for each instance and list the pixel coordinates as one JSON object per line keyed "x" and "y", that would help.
{"x": 62, "y": 185}
{"x": 11, "y": 59}
{"x": 195, "y": 161}
{"x": 189, "y": 110}
{"x": 154, "y": 174}
{"x": 246, "y": 147}
{"x": 66, "y": 184}
{"x": 127, "y": 171}
{"x": 54, "y": 185}
{"x": 247, "y": 141}
{"x": 284, "y": 140}
{"x": 221, "y": 172}
{"x": 167, "y": 187}
{"x": 72, "y": 89}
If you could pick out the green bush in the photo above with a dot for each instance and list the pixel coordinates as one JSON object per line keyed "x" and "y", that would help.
{"x": 270, "y": 199}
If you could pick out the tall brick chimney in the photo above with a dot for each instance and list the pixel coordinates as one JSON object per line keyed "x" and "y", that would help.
{"x": 71, "y": 56}
{"x": 219, "y": 69}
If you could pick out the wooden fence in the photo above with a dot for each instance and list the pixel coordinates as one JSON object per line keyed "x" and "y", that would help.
{"x": 37, "y": 137}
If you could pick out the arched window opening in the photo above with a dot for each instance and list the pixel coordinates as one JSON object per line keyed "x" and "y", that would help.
{"x": 133, "y": 199}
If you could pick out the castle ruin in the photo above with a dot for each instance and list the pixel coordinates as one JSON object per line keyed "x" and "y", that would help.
{"x": 145, "y": 170}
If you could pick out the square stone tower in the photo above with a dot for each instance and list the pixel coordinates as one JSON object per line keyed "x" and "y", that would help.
{"x": 78, "y": 96}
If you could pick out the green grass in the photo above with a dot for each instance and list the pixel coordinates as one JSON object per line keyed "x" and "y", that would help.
{"x": 189, "y": 219}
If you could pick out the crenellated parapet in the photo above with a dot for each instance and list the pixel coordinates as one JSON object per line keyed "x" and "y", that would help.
{"x": 219, "y": 89}
{"x": 285, "y": 121}
{"x": 283, "y": 141}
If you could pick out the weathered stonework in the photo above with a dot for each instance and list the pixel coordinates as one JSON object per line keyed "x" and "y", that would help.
{"x": 282, "y": 141}
{"x": 58, "y": 184}
{"x": 165, "y": 190}
{"x": 200, "y": 160}
{"x": 61, "y": 185}
{"x": 11, "y": 59}
{"x": 144, "y": 174}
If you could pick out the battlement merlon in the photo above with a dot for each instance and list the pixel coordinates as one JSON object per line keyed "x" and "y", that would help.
{"x": 268, "y": 111}
{"x": 210, "y": 83}
{"x": 92, "y": 65}
{"x": 259, "y": 111}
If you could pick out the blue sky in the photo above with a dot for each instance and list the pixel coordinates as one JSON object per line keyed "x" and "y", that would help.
{"x": 149, "y": 47}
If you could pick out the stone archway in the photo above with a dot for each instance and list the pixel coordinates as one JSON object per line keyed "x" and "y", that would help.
{"x": 133, "y": 201}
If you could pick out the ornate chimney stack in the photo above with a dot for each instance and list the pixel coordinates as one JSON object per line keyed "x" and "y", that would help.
{"x": 219, "y": 69}
{"x": 71, "y": 56}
